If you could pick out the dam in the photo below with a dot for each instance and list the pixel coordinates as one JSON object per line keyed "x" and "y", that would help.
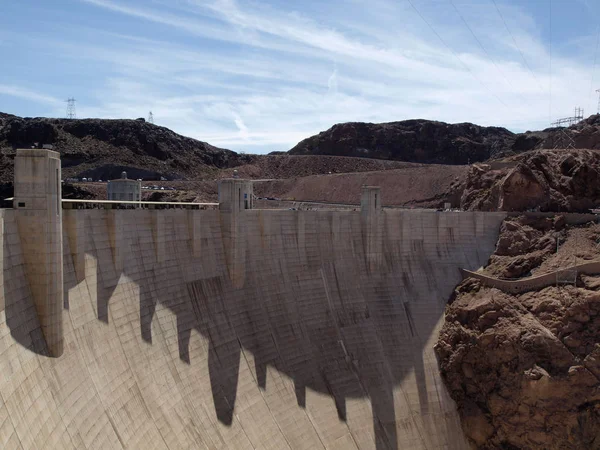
{"x": 229, "y": 328}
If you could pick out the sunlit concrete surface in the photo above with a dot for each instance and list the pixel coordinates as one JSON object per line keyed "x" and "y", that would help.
{"x": 314, "y": 350}
{"x": 237, "y": 329}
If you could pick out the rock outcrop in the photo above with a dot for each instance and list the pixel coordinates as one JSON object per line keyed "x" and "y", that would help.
{"x": 525, "y": 369}
{"x": 545, "y": 180}
{"x": 523, "y": 245}
{"x": 585, "y": 134}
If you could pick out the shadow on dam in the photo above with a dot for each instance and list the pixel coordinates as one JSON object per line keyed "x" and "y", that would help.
{"x": 308, "y": 303}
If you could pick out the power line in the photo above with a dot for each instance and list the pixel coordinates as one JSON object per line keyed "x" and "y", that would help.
{"x": 482, "y": 47}
{"x": 517, "y": 45}
{"x": 550, "y": 83}
{"x": 594, "y": 65}
{"x": 455, "y": 55}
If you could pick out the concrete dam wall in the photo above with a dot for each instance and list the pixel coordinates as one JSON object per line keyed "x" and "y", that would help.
{"x": 235, "y": 329}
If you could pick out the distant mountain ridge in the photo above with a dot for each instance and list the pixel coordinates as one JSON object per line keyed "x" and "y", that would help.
{"x": 102, "y": 148}
{"x": 426, "y": 141}
{"x": 418, "y": 140}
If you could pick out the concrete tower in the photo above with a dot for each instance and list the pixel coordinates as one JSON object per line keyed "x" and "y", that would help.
{"x": 372, "y": 225}
{"x": 39, "y": 219}
{"x": 124, "y": 189}
{"x": 235, "y": 196}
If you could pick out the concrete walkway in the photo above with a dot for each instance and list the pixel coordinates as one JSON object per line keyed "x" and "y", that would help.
{"x": 536, "y": 282}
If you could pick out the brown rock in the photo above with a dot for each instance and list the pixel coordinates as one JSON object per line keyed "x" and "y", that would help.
{"x": 534, "y": 385}
{"x": 476, "y": 425}
{"x": 545, "y": 180}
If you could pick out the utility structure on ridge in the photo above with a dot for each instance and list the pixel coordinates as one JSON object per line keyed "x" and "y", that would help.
{"x": 71, "y": 108}
{"x": 150, "y": 117}
{"x": 568, "y": 121}
{"x": 598, "y": 91}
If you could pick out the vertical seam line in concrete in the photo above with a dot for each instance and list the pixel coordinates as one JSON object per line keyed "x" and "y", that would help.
{"x": 263, "y": 397}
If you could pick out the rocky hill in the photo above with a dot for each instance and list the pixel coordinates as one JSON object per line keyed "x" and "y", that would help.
{"x": 421, "y": 141}
{"x": 527, "y": 176}
{"x": 442, "y": 143}
{"x": 102, "y": 148}
{"x": 585, "y": 134}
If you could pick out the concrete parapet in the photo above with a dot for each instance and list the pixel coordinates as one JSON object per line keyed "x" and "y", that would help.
{"x": 499, "y": 165}
{"x": 533, "y": 283}
{"x": 39, "y": 220}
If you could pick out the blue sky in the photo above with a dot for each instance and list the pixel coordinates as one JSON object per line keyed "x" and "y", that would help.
{"x": 261, "y": 76}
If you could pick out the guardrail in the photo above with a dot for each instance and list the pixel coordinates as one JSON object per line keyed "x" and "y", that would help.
{"x": 117, "y": 204}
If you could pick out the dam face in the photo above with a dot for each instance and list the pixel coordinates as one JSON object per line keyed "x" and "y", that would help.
{"x": 237, "y": 329}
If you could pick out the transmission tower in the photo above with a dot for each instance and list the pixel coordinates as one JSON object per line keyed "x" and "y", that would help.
{"x": 71, "y": 108}
{"x": 150, "y": 117}
{"x": 598, "y": 91}
{"x": 568, "y": 121}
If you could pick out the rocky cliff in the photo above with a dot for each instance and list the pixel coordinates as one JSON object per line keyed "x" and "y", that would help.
{"x": 545, "y": 180}
{"x": 525, "y": 369}
{"x": 102, "y": 148}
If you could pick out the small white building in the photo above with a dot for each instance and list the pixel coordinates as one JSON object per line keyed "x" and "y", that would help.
{"x": 124, "y": 189}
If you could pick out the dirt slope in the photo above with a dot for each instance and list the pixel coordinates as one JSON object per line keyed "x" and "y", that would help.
{"x": 414, "y": 185}
{"x": 293, "y": 166}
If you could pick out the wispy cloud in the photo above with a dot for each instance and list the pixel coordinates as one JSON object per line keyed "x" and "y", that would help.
{"x": 332, "y": 82}
{"x": 241, "y": 126}
{"x": 249, "y": 75}
{"x": 27, "y": 94}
